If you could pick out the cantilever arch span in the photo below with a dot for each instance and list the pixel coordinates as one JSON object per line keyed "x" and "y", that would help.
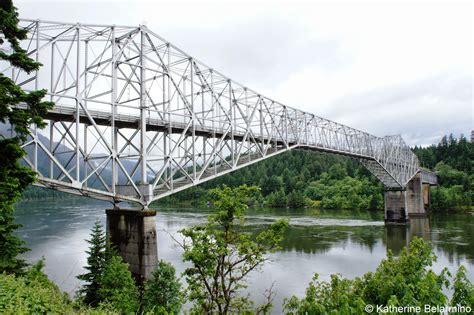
{"x": 137, "y": 119}
{"x": 133, "y": 233}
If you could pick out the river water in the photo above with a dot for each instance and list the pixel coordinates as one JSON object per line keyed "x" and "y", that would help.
{"x": 347, "y": 242}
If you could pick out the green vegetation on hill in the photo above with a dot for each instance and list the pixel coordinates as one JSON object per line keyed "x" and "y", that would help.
{"x": 453, "y": 161}
{"x": 297, "y": 179}
{"x": 301, "y": 178}
{"x": 40, "y": 193}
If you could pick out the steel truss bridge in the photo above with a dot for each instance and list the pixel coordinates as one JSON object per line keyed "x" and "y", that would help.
{"x": 137, "y": 119}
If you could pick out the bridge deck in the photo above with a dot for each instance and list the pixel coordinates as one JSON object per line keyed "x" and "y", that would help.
{"x": 103, "y": 118}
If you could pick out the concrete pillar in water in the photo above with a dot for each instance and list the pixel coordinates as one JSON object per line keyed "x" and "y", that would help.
{"x": 133, "y": 233}
{"x": 426, "y": 195}
{"x": 414, "y": 197}
{"x": 395, "y": 207}
{"x": 400, "y": 205}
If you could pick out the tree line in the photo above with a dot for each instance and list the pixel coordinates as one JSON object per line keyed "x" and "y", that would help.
{"x": 297, "y": 179}
{"x": 453, "y": 161}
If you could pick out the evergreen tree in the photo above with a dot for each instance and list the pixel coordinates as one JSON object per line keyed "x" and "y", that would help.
{"x": 96, "y": 262}
{"x": 14, "y": 178}
{"x": 163, "y": 291}
{"x": 108, "y": 280}
{"x": 117, "y": 287}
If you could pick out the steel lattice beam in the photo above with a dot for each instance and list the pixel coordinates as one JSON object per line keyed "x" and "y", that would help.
{"x": 138, "y": 119}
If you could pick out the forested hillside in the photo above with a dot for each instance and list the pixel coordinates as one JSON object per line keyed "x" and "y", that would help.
{"x": 453, "y": 161}
{"x": 296, "y": 179}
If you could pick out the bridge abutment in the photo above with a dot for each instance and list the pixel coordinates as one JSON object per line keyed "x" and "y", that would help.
{"x": 401, "y": 205}
{"x": 133, "y": 233}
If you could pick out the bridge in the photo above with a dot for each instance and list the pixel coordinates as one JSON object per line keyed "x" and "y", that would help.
{"x": 137, "y": 119}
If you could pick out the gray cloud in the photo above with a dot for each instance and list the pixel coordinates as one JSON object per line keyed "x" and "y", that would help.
{"x": 265, "y": 46}
{"x": 423, "y": 111}
{"x": 261, "y": 51}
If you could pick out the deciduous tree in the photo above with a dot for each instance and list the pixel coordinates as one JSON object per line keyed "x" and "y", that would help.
{"x": 117, "y": 287}
{"x": 222, "y": 255}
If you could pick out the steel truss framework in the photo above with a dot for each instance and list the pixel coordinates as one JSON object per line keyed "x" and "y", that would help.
{"x": 137, "y": 119}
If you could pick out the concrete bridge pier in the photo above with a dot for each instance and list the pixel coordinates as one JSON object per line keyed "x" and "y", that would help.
{"x": 133, "y": 233}
{"x": 401, "y": 205}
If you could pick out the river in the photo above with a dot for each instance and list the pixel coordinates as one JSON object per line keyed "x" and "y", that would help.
{"x": 347, "y": 242}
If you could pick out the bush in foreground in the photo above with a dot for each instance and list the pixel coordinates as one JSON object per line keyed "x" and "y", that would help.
{"x": 117, "y": 287}
{"x": 34, "y": 293}
{"x": 162, "y": 294}
{"x": 403, "y": 281}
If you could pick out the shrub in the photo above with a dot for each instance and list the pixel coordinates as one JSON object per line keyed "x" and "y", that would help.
{"x": 406, "y": 280}
{"x": 118, "y": 288}
{"x": 32, "y": 293}
{"x": 163, "y": 291}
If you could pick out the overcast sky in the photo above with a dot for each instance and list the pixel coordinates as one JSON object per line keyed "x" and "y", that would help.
{"x": 383, "y": 67}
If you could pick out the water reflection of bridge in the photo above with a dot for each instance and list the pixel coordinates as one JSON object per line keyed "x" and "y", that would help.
{"x": 321, "y": 239}
{"x": 399, "y": 236}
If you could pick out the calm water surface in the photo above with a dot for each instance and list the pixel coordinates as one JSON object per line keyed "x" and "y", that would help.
{"x": 347, "y": 242}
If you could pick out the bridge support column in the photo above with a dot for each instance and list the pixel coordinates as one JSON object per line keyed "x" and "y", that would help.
{"x": 415, "y": 203}
{"x": 401, "y": 205}
{"x": 133, "y": 233}
{"x": 395, "y": 207}
{"x": 426, "y": 195}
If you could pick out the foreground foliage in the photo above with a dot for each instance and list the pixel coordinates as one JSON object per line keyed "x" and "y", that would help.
{"x": 14, "y": 178}
{"x": 117, "y": 289}
{"x": 96, "y": 263}
{"x": 162, "y": 292}
{"x": 222, "y": 255}
{"x": 34, "y": 293}
{"x": 108, "y": 282}
{"x": 109, "y": 285}
{"x": 406, "y": 280}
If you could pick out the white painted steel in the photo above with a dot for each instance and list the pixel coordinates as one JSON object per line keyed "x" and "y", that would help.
{"x": 138, "y": 119}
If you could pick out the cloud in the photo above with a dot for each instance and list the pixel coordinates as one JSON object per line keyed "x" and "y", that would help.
{"x": 382, "y": 67}
{"x": 423, "y": 111}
